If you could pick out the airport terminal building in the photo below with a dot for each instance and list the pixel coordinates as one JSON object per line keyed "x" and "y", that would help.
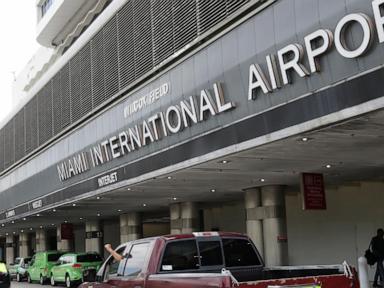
{"x": 141, "y": 118}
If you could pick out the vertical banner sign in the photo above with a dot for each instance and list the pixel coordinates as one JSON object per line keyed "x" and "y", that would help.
{"x": 312, "y": 189}
{"x": 66, "y": 231}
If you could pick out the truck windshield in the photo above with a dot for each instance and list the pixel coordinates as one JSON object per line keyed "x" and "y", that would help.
{"x": 239, "y": 252}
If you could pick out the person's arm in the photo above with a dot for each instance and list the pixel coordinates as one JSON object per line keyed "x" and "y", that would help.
{"x": 114, "y": 254}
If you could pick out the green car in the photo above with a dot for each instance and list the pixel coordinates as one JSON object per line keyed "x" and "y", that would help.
{"x": 73, "y": 268}
{"x": 40, "y": 266}
{"x": 18, "y": 269}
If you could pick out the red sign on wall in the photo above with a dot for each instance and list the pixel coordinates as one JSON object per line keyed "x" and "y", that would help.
{"x": 312, "y": 187}
{"x": 66, "y": 231}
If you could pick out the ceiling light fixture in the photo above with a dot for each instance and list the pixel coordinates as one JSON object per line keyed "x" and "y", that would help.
{"x": 81, "y": 218}
{"x": 14, "y": 232}
{"x": 174, "y": 198}
{"x": 119, "y": 210}
{"x": 224, "y": 161}
{"x": 304, "y": 139}
{"x": 22, "y": 231}
{"x": 38, "y": 215}
{"x": 74, "y": 204}
{"x": 213, "y": 190}
{"x": 24, "y": 218}
{"x": 13, "y": 222}
{"x": 54, "y": 210}
{"x": 98, "y": 214}
{"x": 144, "y": 205}
{"x": 262, "y": 180}
{"x": 98, "y": 197}
{"x": 328, "y": 166}
{"x": 129, "y": 189}
{"x": 169, "y": 177}
{"x": 41, "y": 227}
{"x": 2, "y": 225}
{"x": 31, "y": 228}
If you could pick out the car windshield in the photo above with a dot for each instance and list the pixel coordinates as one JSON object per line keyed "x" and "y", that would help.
{"x": 54, "y": 257}
{"x": 89, "y": 258}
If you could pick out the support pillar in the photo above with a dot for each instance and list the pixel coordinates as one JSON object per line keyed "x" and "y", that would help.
{"x": 254, "y": 221}
{"x": 184, "y": 217}
{"x": 23, "y": 245}
{"x": 10, "y": 252}
{"x": 64, "y": 245}
{"x": 274, "y": 225}
{"x": 93, "y": 239}
{"x": 41, "y": 240}
{"x": 130, "y": 227}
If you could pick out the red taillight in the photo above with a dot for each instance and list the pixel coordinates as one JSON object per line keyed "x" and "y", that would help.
{"x": 77, "y": 265}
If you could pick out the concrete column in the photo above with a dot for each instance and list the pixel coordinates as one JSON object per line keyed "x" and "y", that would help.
{"x": 130, "y": 227}
{"x": 184, "y": 217}
{"x": 10, "y": 252}
{"x": 274, "y": 225}
{"x": 64, "y": 245}
{"x": 189, "y": 216}
{"x": 41, "y": 240}
{"x": 93, "y": 238}
{"x": 252, "y": 199}
{"x": 23, "y": 245}
{"x": 175, "y": 217}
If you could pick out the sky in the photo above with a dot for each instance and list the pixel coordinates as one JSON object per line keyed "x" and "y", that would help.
{"x": 18, "y": 44}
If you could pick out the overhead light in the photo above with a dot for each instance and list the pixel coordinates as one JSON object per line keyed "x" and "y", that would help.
{"x": 304, "y": 139}
{"x": 2, "y": 225}
{"x": 65, "y": 221}
{"x": 224, "y": 161}
{"x": 169, "y": 177}
{"x": 31, "y": 228}
{"x": 54, "y": 210}
{"x": 328, "y": 166}
{"x": 14, "y": 232}
{"x": 81, "y": 218}
{"x": 129, "y": 189}
{"x": 22, "y": 231}
{"x": 213, "y": 190}
{"x": 38, "y": 215}
{"x": 144, "y": 205}
{"x": 98, "y": 214}
{"x": 24, "y": 218}
{"x": 41, "y": 227}
{"x": 119, "y": 210}
{"x": 53, "y": 224}
{"x": 6, "y": 234}
{"x": 262, "y": 180}
{"x": 98, "y": 197}
{"x": 174, "y": 198}
{"x": 13, "y": 222}
{"x": 74, "y": 204}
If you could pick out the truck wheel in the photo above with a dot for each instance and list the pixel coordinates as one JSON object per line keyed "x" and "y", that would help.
{"x": 53, "y": 282}
{"x": 18, "y": 277}
{"x": 68, "y": 282}
{"x": 29, "y": 279}
{"x": 42, "y": 280}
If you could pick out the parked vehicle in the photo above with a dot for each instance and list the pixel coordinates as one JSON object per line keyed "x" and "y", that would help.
{"x": 40, "y": 266}
{"x": 18, "y": 269}
{"x": 74, "y": 268}
{"x": 5, "y": 277}
{"x": 209, "y": 259}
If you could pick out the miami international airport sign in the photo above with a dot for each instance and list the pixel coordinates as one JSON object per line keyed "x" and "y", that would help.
{"x": 171, "y": 121}
{"x": 197, "y": 109}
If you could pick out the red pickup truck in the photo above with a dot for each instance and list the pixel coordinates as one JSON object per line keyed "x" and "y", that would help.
{"x": 209, "y": 259}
